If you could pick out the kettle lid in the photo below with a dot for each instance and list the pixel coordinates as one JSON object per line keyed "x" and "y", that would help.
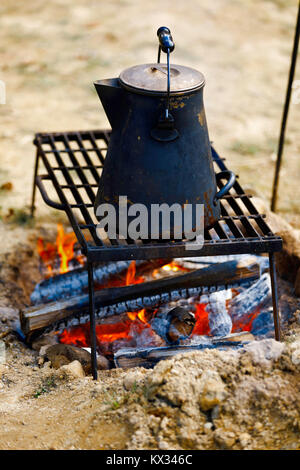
{"x": 152, "y": 79}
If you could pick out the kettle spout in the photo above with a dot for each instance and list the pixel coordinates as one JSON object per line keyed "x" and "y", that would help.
{"x": 112, "y": 97}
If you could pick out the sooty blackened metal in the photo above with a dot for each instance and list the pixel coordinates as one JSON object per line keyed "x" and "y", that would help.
{"x": 72, "y": 166}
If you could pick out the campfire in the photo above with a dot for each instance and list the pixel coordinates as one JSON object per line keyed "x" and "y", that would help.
{"x": 171, "y": 314}
{"x": 139, "y": 301}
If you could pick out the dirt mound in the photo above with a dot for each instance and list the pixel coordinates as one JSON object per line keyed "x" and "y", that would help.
{"x": 220, "y": 400}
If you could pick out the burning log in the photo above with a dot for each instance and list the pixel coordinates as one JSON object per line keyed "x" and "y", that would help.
{"x": 248, "y": 302}
{"x": 75, "y": 282}
{"x": 134, "y": 297}
{"x": 189, "y": 262}
{"x": 173, "y": 325}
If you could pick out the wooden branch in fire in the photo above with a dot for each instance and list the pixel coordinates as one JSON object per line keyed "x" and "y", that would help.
{"x": 229, "y": 273}
{"x": 76, "y": 282}
{"x": 148, "y": 357}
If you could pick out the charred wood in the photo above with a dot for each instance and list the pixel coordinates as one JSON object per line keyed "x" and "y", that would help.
{"x": 247, "y": 302}
{"x": 118, "y": 300}
{"x": 148, "y": 357}
{"x": 75, "y": 282}
{"x": 173, "y": 325}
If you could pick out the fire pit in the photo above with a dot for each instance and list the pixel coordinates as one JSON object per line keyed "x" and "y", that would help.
{"x": 72, "y": 166}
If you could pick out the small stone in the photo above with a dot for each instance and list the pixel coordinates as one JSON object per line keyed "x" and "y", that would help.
{"x": 43, "y": 350}
{"x": 212, "y": 390}
{"x": 41, "y": 361}
{"x": 9, "y": 314}
{"x": 2, "y": 352}
{"x": 3, "y": 369}
{"x": 258, "y": 426}
{"x": 44, "y": 341}
{"x": 265, "y": 351}
{"x": 295, "y": 349}
{"x": 215, "y": 412}
{"x": 224, "y": 439}
{"x": 102, "y": 362}
{"x": 244, "y": 439}
{"x": 163, "y": 445}
{"x": 74, "y": 368}
{"x": 131, "y": 379}
{"x": 62, "y": 354}
{"x": 208, "y": 427}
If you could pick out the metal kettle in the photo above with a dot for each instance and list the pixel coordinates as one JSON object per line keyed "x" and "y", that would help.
{"x": 159, "y": 151}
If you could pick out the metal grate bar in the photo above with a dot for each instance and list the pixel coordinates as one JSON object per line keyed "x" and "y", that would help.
{"x": 252, "y": 209}
{"x": 221, "y": 232}
{"x": 80, "y": 173}
{"x": 230, "y": 222}
{"x": 74, "y": 167}
{"x": 238, "y": 211}
{"x": 80, "y": 149}
{"x": 75, "y": 192}
{"x": 88, "y": 160}
{"x": 96, "y": 149}
{"x": 69, "y": 186}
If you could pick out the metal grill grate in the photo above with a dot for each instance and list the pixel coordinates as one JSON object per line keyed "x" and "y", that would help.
{"x": 72, "y": 167}
{"x": 73, "y": 163}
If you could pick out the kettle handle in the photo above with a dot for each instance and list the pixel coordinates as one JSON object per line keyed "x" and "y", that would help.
{"x": 164, "y": 130}
{"x": 165, "y": 41}
{"x": 166, "y": 44}
{"x": 230, "y": 176}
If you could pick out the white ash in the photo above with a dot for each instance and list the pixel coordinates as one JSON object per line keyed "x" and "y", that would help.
{"x": 258, "y": 295}
{"x": 220, "y": 323}
{"x": 195, "y": 262}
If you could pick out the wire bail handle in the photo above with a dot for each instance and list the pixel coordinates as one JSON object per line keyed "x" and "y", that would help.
{"x": 165, "y": 130}
{"x": 166, "y": 44}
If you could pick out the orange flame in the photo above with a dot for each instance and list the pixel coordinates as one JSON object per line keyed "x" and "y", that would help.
{"x": 106, "y": 333}
{"x": 46, "y": 253}
{"x": 130, "y": 275}
{"x": 65, "y": 247}
{"x": 63, "y": 250}
{"x": 141, "y": 315}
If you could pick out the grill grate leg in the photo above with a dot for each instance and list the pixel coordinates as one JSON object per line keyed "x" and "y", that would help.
{"x": 32, "y": 209}
{"x": 92, "y": 321}
{"x": 275, "y": 297}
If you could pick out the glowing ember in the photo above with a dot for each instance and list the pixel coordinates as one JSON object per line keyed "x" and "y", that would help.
{"x": 107, "y": 333}
{"x": 202, "y": 324}
{"x": 170, "y": 268}
{"x": 246, "y": 326}
{"x": 136, "y": 325}
{"x": 125, "y": 333}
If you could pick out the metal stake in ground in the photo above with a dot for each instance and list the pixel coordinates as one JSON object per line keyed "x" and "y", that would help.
{"x": 286, "y": 112}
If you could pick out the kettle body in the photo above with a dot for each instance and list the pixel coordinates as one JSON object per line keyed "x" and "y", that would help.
{"x": 153, "y": 162}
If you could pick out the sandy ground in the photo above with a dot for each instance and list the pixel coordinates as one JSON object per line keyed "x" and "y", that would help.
{"x": 51, "y": 52}
{"x": 223, "y": 401}
{"x": 252, "y": 399}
